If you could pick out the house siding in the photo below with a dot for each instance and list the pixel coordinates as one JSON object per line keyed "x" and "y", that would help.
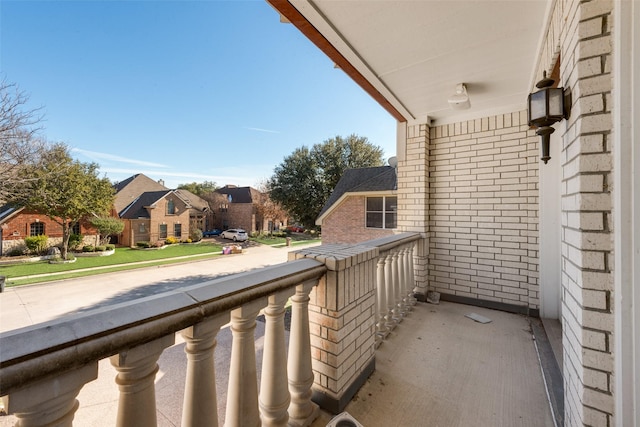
{"x": 346, "y": 223}
{"x": 483, "y": 210}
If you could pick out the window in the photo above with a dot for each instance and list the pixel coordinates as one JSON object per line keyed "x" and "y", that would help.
{"x": 142, "y": 228}
{"x": 36, "y": 229}
{"x": 163, "y": 231}
{"x": 171, "y": 207}
{"x": 382, "y": 212}
{"x": 177, "y": 230}
{"x": 75, "y": 228}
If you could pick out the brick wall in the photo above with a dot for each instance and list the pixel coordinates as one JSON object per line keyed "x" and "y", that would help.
{"x": 18, "y": 227}
{"x": 346, "y": 223}
{"x": 483, "y": 208}
{"x": 238, "y": 215}
{"x": 583, "y": 32}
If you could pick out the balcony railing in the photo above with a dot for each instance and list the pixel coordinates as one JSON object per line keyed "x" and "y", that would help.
{"x": 338, "y": 316}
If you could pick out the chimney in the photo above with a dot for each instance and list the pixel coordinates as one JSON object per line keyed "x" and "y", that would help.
{"x": 161, "y": 182}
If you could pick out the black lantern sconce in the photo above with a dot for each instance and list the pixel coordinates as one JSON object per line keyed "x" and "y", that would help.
{"x": 547, "y": 106}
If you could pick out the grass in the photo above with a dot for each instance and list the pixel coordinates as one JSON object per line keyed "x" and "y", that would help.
{"x": 296, "y": 239}
{"x": 122, "y": 259}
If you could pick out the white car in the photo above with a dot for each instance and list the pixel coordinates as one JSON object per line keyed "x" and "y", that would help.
{"x": 235, "y": 234}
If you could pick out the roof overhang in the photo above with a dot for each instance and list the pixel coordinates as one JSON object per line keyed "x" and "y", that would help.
{"x": 342, "y": 198}
{"x": 410, "y": 55}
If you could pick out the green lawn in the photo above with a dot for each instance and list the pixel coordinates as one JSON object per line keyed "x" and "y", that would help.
{"x": 296, "y": 239}
{"x": 122, "y": 256}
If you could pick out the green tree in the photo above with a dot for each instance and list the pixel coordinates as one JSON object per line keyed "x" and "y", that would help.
{"x": 106, "y": 226}
{"x": 65, "y": 190}
{"x": 303, "y": 182}
{"x": 199, "y": 188}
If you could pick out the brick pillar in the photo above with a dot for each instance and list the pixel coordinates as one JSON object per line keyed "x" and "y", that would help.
{"x": 413, "y": 194}
{"x": 342, "y": 317}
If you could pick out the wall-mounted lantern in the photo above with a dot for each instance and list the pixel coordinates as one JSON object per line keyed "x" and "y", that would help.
{"x": 547, "y": 106}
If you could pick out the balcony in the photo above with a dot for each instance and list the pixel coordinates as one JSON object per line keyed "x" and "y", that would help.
{"x": 336, "y": 328}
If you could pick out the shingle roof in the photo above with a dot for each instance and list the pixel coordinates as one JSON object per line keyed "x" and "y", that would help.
{"x": 7, "y": 211}
{"x": 238, "y": 194}
{"x": 136, "y": 208}
{"x": 380, "y": 178}
{"x": 131, "y": 188}
{"x": 196, "y": 202}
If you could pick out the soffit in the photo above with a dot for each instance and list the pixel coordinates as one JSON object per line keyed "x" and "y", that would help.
{"x": 415, "y": 52}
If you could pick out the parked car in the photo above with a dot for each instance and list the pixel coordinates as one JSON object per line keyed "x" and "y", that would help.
{"x": 296, "y": 228}
{"x": 235, "y": 234}
{"x": 211, "y": 233}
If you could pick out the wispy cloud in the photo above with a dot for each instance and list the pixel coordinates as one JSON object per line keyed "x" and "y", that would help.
{"x": 95, "y": 155}
{"x": 264, "y": 130}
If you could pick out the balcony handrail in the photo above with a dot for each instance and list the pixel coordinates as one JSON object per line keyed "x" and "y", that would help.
{"x": 60, "y": 345}
{"x": 389, "y": 242}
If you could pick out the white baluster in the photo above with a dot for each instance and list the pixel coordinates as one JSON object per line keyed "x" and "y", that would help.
{"x": 274, "y": 391}
{"x": 302, "y": 411}
{"x": 242, "y": 394}
{"x": 406, "y": 291}
{"x": 411, "y": 275}
{"x": 137, "y": 370}
{"x": 52, "y": 401}
{"x": 397, "y": 307}
{"x": 200, "y": 408}
{"x": 391, "y": 320}
{"x": 381, "y": 306}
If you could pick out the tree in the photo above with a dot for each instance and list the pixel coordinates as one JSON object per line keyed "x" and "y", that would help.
{"x": 303, "y": 182}
{"x": 266, "y": 208}
{"x": 20, "y": 146}
{"x": 199, "y": 189}
{"x": 65, "y": 190}
{"x": 106, "y": 226}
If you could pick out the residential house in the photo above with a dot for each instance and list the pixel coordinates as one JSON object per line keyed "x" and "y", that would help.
{"x": 363, "y": 206}
{"x": 16, "y": 223}
{"x": 239, "y": 207}
{"x": 152, "y": 212}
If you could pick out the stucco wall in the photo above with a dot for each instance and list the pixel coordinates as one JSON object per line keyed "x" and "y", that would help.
{"x": 346, "y": 223}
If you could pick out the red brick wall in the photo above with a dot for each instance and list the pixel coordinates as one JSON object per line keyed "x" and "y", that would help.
{"x": 18, "y": 227}
{"x": 238, "y": 215}
{"x": 346, "y": 223}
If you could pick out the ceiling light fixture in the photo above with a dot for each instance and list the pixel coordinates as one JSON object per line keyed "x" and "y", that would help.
{"x": 460, "y": 99}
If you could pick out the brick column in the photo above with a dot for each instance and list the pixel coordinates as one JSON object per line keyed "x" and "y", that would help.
{"x": 342, "y": 322}
{"x": 413, "y": 194}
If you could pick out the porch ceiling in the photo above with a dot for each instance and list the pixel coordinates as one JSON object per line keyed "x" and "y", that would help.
{"x": 410, "y": 55}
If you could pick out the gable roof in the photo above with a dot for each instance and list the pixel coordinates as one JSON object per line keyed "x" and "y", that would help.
{"x": 238, "y": 194}
{"x": 8, "y": 211}
{"x": 361, "y": 180}
{"x": 131, "y": 188}
{"x": 196, "y": 202}
{"x": 136, "y": 209}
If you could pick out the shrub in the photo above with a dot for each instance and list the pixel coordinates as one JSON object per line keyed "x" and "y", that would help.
{"x": 101, "y": 248}
{"x": 36, "y": 244}
{"x": 89, "y": 248}
{"x": 74, "y": 241}
{"x": 195, "y": 235}
{"x": 159, "y": 244}
{"x": 143, "y": 244}
{"x": 18, "y": 251}
{"x": 171, "y": 240}
{"x": 110, "y": 247}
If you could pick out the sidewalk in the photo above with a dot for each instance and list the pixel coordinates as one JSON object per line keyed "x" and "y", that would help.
{"x": 27, "y": 305}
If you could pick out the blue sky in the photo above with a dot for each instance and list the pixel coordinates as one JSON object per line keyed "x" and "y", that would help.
{"x": 180, "y": 90}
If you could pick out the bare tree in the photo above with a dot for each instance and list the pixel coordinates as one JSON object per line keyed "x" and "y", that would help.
{"x": 20, "y": 145}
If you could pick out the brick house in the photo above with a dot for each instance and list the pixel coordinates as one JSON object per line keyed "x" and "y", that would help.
{"x": 18, "y": 223}
{"x": 499, "y": 227}
{"x": 236, "y": 207}
{"x": 152, "y": 212}
{"x": 363, "y": 206}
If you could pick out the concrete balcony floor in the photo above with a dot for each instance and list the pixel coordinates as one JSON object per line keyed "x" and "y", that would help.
{"x": 437, "y": 368}
{"x": 440, "y": 368}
